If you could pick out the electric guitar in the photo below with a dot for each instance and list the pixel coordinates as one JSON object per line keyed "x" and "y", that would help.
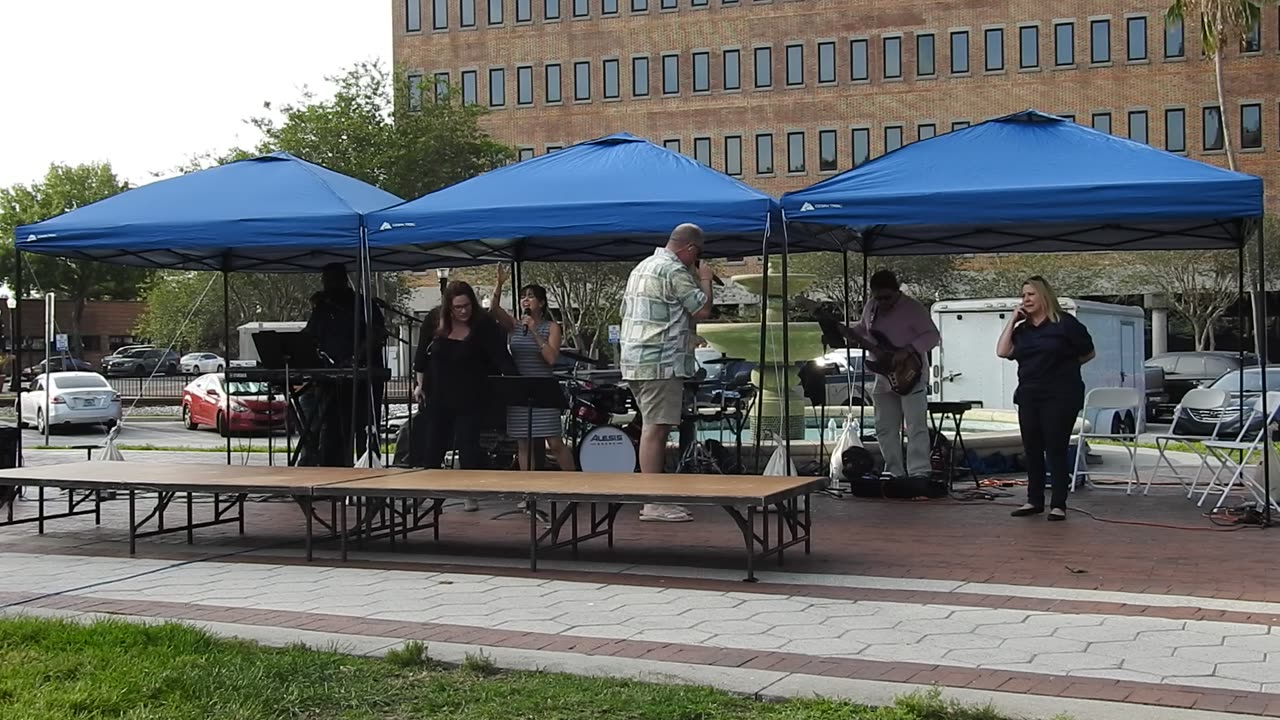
{"x": 902, "y": 367}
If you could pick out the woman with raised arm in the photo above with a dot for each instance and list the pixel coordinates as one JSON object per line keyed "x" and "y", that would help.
{"x": 535, "y": 346}
{"x": 1049, "y": 345}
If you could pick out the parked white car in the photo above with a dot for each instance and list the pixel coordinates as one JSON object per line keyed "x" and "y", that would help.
{"x": 74, "y": 398}
{"x": 201, "y": 363}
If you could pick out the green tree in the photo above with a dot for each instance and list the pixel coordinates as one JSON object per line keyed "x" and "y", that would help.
{"x": 928, "y": 278}
{"x": 64, "y": 188}
{"x": 1199, "y": 286}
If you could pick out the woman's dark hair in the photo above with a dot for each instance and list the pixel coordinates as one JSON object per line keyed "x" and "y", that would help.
{"x": 538, "y": 292}
{"x": 452, "y": 291}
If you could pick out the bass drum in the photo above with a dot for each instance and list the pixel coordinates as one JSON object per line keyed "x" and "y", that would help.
{"x": 607, "y": 449}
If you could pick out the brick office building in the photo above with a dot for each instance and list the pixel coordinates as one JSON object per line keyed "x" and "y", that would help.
{"x": 785, "y": 92}
{"x": 107, "y": 325}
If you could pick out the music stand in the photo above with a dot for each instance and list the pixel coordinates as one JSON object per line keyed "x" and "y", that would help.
{"x": 529, "y": 393}
{"x": 286, "y": 351}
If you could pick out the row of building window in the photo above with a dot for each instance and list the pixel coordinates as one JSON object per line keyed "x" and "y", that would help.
{"x": 993, "y": 38}
{"x": 796, "y": 70}
{"x": 796, "y": 150}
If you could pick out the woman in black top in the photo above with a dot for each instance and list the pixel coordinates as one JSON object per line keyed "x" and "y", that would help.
{"x": 1049, "y": 346}
{"x": 464, "y": 347}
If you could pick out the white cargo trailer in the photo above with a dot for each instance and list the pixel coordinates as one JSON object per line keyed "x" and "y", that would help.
{"x": 965, "y": 367}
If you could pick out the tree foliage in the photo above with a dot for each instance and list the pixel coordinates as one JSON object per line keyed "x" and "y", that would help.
{"x": 64, "y": 188}
{"x": 927, "y": 278}
{"x": 1199, "y": 286}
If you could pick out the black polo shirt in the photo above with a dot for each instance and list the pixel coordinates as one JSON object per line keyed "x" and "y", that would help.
{"x": 1048, "y": 357}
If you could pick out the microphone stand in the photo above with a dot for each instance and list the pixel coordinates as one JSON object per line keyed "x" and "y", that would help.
{"x": 387, "y": 307}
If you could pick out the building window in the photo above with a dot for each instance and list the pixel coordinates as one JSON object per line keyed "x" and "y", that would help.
{"x": 861, "y": 144}
{"x": 610, "y": 72}
{"x": 1173, "y": 39}
{"x": 551, "y": 75}
{"x": 639, "y": 6}
{"x": 1064, "y": 44}
{"x": 1101, "y": 122}
{"x": 672, "y": 144}
{"x": 826, "y": 63}
{"x": 670, "y": 74}
{"x": 1028, "y": 47}
{"x": 439, "y": 14}
{"x": 467, "y": 13}
{"x": 608, "y": 7}
{"x": 469, "y": 90}
{"x": 732, "y": 60}
{"x": 702, "y": 72}
{"x": 551, "y": 10}
{"x": 892, "y": 137}
{"x": 959, "y": 52}
{"x": 858, "y": 60}
{"x": 764, "y": 67}
{"x": 526, "y": 153}
{"x": 892, "y": 47}
{"x": 524, "y": 11}
{"x": 582, "y": 81}
{"x": 795, "y": 152}
{"x": 553, "y": 148}
{"x": 497, "y": 87}
{"x": 959, "y": 125}
{"x": 667, "y": 4}
{"x": 994, "y": 49}
{"x": 1250, "y": 126}
{"x": 698, "y": 3}
{"x": 795, "y": 65}
{"x": 413, "y": 15}
{"x": 702, "y": 150}
{"x": 640, "y": 77}
{"x": 1252, "y": 40}
{"x": 442, "y": 86}
{"x": 827, "y": 161}
{"x": 1100, "y": 41}
{"x": 926, "y": 61}
{"x": 1212, "y": 132}
{"x": 495, "y": 14}
{"x": 733, "y": 155}
{"x": 415, "y": 92}
{"x": 1138, "y": 126}
{"x": 524, "y": 85}
{"x": 1068, "y": 117}
{"x": 764, "y": 154}
{"x": 926, "y": 131}
{"x": 581, "y": 8}
{"x": 1175, "y": 130}
{"x": 1136, "y": 39}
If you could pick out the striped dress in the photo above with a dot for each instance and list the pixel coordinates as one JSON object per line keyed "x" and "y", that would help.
{"x": 530, "y": 363}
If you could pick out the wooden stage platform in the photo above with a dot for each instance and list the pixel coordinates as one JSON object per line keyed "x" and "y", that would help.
{"x": 564, "y": 508}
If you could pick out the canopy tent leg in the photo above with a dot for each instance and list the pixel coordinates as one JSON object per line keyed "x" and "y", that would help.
{"x": 1260, "y": 332}
{"x": 19, "y": 292}
{"x": 764, "y": 338}
{"x": 226, "y": 366}
{"x": 786, "y": 360}
{"x": 862, "y": 375}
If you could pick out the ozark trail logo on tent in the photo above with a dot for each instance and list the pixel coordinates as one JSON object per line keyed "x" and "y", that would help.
{"x": 810, "y": 207}
{"x": 46, "y": 236}
{"x": 388, "y": 226}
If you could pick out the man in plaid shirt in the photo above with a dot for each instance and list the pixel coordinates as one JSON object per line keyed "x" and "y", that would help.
{"x": 659, "y": 307}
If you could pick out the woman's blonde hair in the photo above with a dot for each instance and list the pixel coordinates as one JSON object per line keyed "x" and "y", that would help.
{"x": 1052, "y": 308}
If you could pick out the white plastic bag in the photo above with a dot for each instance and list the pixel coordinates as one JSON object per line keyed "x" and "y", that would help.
{"x": 109, "y": 450}
{"x": 778, "y": 465}
{"x": 850, "y": 436}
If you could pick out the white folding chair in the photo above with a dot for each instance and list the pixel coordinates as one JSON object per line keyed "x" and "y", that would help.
{"x": 1120, "y": 400}
{"x": 1246, "y": 444}
{"x": 1201, "y": 405}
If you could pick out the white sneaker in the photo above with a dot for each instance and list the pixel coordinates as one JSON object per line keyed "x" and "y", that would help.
{"x": 664, "y": 513}
{"x": 470, "y": 506}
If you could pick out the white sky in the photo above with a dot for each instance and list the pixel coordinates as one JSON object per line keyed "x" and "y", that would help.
{"x": 146, "y": 84}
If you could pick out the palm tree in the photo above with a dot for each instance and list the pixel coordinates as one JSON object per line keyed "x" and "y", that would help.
{"x": 1221, "y": 22}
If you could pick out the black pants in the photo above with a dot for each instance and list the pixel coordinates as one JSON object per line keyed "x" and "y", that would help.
{"x": 330, "y": 415}
{"x": 1046, "y": 425}
{"x": 449, "y": 429}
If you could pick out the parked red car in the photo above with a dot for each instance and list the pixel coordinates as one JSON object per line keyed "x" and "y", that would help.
{"x": 204, "y": 403}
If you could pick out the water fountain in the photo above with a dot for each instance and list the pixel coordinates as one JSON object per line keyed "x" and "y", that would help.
{"x": 742, "y": 340}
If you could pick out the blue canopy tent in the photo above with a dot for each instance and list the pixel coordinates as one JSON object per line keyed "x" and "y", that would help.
{"x": 1032, "y": 182}
{"x": 274, "y": 213}
{"x": 613, "y": 198}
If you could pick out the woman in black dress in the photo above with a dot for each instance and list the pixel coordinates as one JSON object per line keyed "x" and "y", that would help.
{"x": 1049, "y": 346}
{"x": 465, "y": 347}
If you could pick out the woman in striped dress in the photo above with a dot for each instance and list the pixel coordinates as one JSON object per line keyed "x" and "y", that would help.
{"x": 535, "y": 347}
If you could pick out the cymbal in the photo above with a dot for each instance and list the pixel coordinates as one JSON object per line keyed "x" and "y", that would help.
{"x": 723, "y": 360}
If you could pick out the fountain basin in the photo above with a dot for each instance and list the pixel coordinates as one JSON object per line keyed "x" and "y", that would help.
{"x": 742, "y": 340}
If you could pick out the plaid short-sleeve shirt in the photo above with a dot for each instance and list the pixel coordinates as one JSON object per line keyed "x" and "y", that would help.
{"x": 657, "y": 319}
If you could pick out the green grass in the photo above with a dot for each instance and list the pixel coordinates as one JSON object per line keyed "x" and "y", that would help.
{"x": 56, "y": 670}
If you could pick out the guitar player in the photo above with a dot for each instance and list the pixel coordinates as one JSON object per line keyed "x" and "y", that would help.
{"x": 905, "y": 324}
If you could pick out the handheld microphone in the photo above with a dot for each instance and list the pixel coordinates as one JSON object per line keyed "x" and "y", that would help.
{"x": 525, "y": 312}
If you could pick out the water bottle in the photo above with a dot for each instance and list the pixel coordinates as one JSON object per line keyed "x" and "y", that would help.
{"x": 832, "y": 432}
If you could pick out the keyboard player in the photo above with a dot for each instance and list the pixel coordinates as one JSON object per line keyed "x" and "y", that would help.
{"x": 337, "y": 324}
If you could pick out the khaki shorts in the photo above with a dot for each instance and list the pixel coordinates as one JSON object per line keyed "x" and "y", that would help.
{"x": 661, "y": 402}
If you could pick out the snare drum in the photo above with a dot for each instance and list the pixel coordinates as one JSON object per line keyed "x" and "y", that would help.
{"x": 588, "y": 412}
{"x": 607, "y": 448}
